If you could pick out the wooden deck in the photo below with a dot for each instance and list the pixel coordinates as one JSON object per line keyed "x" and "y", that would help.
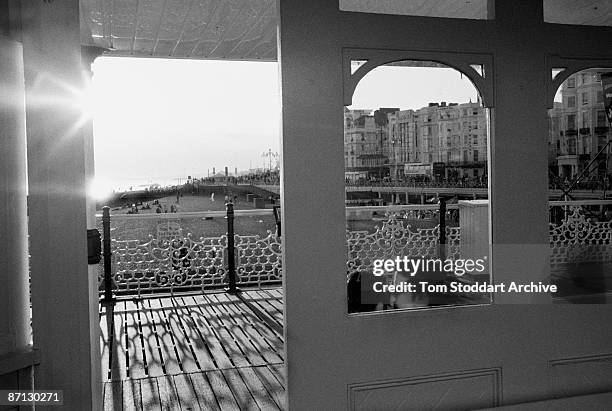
{"x": 192, "y": 352}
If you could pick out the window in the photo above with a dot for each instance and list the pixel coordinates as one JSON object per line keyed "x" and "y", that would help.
{"x": 576, "y": 227}
{"x": 586, "y": 119}
{"x": 444, "y": 150}
{"x": 599, "y": 96}
{"x": 475, "y": 156}
{"x": 585, "y": 78}
{"x": 571, "y": 82}
{"x": 601, "y": 118}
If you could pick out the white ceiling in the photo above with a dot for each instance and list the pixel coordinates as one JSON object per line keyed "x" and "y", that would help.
{"x": 197, "y": 29}
{"x": 246, "y": 29}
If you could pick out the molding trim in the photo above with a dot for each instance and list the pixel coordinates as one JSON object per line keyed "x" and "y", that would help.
{"x": 494, "y": 373}
{"x": 571, "y": 65}
{"x": 462, "y": 62}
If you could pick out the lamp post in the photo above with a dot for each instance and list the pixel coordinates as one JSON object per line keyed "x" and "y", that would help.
{"x": 270, "y": 155}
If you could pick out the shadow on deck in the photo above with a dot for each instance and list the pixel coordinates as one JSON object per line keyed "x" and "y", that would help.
{"x": 194, "y": 352}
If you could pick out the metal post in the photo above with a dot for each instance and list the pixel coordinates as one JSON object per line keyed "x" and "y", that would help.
{"x": 231, "y": 257}
{"x": 442, "y": 239}
{"x": 106, "y": 242}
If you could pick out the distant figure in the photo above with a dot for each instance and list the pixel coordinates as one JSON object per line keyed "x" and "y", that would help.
{"x": 158, "y": 210}
{"x": 212, "y": 197}
{"x": 226, "y": 199}
{"x": 235, "y": 199}
{"x": 172, "y": 208}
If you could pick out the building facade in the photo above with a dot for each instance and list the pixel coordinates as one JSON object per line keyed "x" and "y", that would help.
{"x": 579, "y": 129}
{"x": 442, "y": 141}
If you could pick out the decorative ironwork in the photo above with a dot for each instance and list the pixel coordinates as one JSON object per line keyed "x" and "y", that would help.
{"x": 397, "y": 238}
{"x": 579, "y": 239}
{"x": 259, "y": 259}
{"x": 170, "y": 261}
{"x": 172, "y": 264}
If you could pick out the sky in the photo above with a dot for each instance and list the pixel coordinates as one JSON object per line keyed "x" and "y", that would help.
{"x": 412, "y": 88}
{"x": 158, "y": 120}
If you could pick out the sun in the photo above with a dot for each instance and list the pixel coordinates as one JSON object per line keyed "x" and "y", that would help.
{"x": 100, "y": 189}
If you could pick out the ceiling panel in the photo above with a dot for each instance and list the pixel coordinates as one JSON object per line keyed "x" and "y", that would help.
{"x": 198, "y": 29}
{"x": 582, "y": 12}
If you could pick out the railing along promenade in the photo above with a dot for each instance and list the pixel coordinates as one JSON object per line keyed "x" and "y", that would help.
{"x": 581, "y": 191}
{"x": 180, "y": 252}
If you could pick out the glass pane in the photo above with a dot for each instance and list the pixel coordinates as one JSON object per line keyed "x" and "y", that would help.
{"x": 580, "y": 169}
{"x": 459, "y": 9}
{"x": 582, "y": 12}
{"x": 416, "y": 173}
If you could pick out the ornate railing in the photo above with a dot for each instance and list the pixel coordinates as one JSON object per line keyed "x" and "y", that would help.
{"x": 396, "y": 237}
{"x": 166, "y": 253}
{"x": 173, "y": 252}
{"x": 580, "y": 235}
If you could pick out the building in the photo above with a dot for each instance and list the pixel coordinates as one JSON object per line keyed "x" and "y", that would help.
{"x": 364, "y": 143}
{"x": 406, "y": 143}
{"x": 579, "y": 128}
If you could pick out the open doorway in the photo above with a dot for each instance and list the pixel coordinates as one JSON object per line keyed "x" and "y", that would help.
{"x": 187, "y": 200}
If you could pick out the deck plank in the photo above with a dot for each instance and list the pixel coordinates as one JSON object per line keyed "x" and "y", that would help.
{"x": 223, "y": 393}
{"x": 257, "y": 389}
{"x": 118, "y": 351}
{"x": 132, "y": 399}
{"x": 167, "y": 393}
{"x": 181, "y": 340}
{"x": 272, "y": 301}
{"x": 273, "y": 386}
{"x": 187, "y": 397}
{"x": 150, "y": 394}
{"x": 227, "y": 340}
{"x": 235, "y": 359}
{"x": 248, "y": 348}
{"x": 241, "y": 392}
{"x": 278, "y": 371}
{"x": 208, "y": 349}
{"x": 113, "y": 395}
{"x": 244, "y": 318}
{"x": 204, "y": 392}
{"x": 151, "y": 341}
{"x": 168, "y": 354}
{"x": 265, "y": 306}
{"x": 134, "y": 344}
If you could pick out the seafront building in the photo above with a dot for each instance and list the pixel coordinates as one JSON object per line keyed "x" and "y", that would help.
{"x": 441, "y": 141}
{"x": 578, "y": 127}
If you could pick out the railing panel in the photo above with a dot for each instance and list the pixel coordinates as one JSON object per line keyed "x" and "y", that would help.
{"x": 579, "y": 238}
{"x": 188, "y": 251}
